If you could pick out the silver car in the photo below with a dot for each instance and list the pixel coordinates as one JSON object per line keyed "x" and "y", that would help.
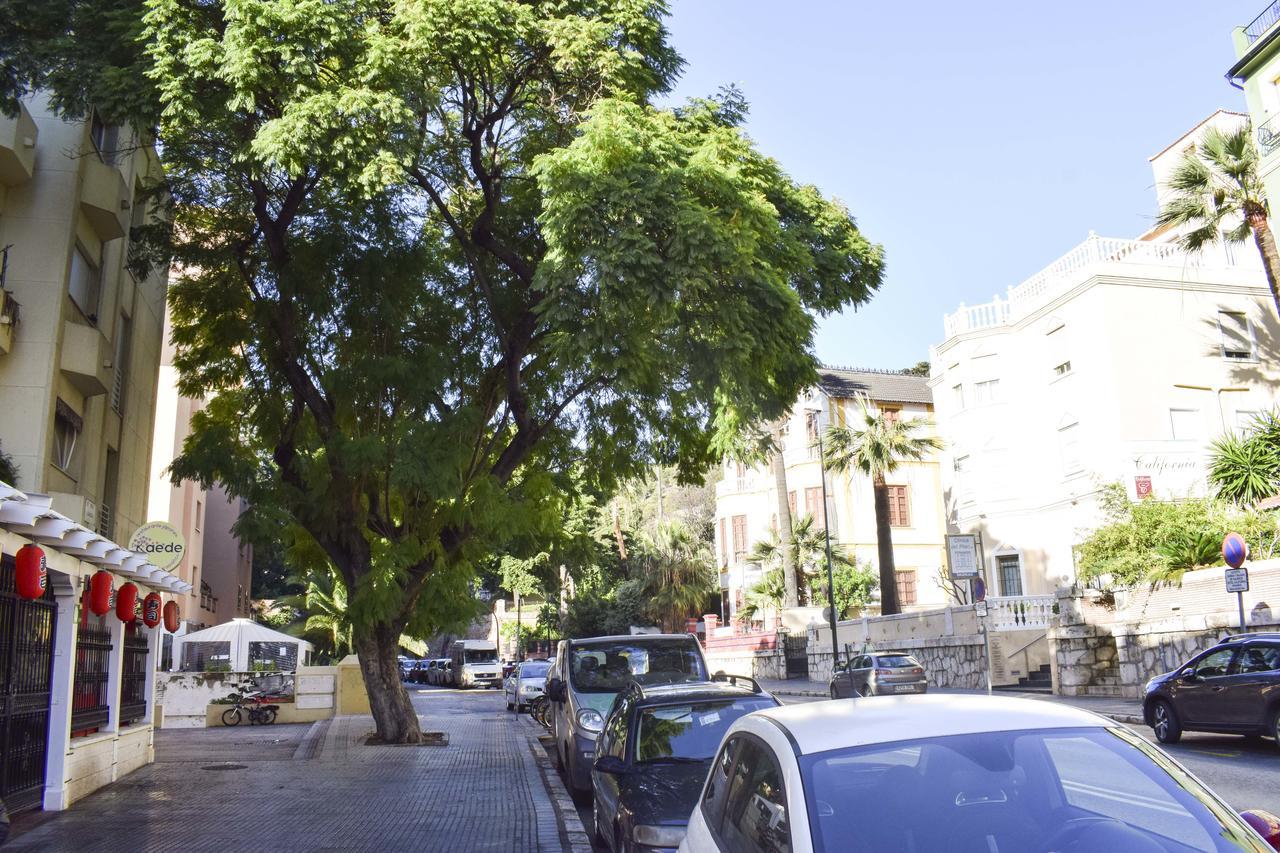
{"x": 878, "y": 674}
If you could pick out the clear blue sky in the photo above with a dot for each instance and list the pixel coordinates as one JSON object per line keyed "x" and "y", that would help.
{"x": 976, "y": 141}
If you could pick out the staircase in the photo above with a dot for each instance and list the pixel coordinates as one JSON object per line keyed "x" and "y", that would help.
{"x": 1038, "y": 681}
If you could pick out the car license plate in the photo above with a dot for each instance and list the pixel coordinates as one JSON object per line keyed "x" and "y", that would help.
{"x": 905, "y": 688}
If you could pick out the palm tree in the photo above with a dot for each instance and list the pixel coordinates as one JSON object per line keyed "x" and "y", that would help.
{"x": 778, "y": 465}
{"x": 323, "y": 601}
{"x": 808, "y": 545}
{"x": 677, "y": 574}
{"x": 876, "y": 448}
{"x": 1246, "y": 469}
{"x": 1218, "y": 193}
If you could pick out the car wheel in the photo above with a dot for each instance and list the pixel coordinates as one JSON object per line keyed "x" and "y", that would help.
{"x": 862, "y": 691}
{"x": 1164, "y": 722}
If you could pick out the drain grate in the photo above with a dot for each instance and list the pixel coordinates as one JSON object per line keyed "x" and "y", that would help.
{"x": 225, "y": 767}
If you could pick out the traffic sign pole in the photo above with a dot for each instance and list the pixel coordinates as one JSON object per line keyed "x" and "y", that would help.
{"x": 1240, "y": 603}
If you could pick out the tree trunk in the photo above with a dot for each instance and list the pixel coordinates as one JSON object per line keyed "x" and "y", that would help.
{"x": 791, "y": 583}
{"x": 378, "y": 647}
{"x": 884, "y": 547}
{"x": 1266, "y": 243}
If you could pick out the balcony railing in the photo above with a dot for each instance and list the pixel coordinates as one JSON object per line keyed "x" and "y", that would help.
{"x": 1268, "y": 135}
{"x": 1263, "y": 22}
{"x": 1021, "y": 612}
{"x": 1072, "y": 269}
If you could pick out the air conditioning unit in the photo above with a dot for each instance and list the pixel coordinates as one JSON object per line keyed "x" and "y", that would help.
{"x": 78, "y": 508}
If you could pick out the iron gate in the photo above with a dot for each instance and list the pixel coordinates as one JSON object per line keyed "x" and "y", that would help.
{"x": 26, "y": 676}
{"x": 796, "y": 649}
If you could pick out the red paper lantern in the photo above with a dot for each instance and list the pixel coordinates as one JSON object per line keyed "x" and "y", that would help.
{"x": 32, "y": 575}
{"x": 151, "y": 610}
{"x": 126, "y": 603}
{"x": 100, "y": 592}
{"x": 171, "y": 617}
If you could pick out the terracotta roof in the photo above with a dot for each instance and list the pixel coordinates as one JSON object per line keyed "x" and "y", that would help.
{"x": 881, "y": 385}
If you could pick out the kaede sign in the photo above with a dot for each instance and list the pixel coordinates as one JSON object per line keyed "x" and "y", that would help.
{"x": 161, "y": 543}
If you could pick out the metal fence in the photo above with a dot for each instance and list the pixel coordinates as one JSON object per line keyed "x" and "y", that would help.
{"x": 273, "y": 657}
{"x": 206, "y": 657}
{"x": 1263, "y": 22}
{"x": 90, "y": 709}
{"x": 26, "y": 679}
{"x": 133, "y": 677}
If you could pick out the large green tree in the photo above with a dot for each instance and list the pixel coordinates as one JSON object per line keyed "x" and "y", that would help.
{"x": 440, "y": 254}
{"x": 875, "y": 446}
{"x": 1216, "y": 191}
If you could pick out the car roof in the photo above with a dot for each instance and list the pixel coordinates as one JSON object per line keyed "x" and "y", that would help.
{"x": 835, "y": 724}
{"x": 627, "y": 638}
{"x": 659, "y": 694}
{"x": 1244, "y": 638}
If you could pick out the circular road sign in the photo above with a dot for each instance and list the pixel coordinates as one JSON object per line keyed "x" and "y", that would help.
{"x": 1234, "y": 550}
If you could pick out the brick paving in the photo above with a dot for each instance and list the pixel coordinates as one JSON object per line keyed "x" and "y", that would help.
{"x": 317, "y": 788}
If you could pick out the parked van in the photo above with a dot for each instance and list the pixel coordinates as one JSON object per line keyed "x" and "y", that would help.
{"x": 475, "y": 664}
{"x": 586, "y": 676}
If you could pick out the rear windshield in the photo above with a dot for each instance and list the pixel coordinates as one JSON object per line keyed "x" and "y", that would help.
{"x": 690, "y": 731}
{"x": 895, "y": 660}
{"x": 609, "y": 667}
{"x": 480, "y": 655}
{"x": 534, "y": 670}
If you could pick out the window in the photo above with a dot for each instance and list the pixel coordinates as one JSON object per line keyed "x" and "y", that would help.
{"x": 85, "y": 284}
{"x": 615, "y": 736}
{"x": 66, "y": 430}
{"x": 739, "y": 538}
{"x": 718, "y": 783}
{"x": 724, "y": 542}
{"x": 791, "y": 501}
{"x": 957, "y": 395}
{"x": 1186, "y": 424}
{"x": 133, "y": 675}
{"x": 120, "y": 362}
{"x": 755, "y": 814}
{"x": 811, "y": 433}
{"x": 105, "y": 138}
{"x": 690, "y": 731}
{"x": 813, "y": 504}
{"x": 1237, "y": 336}
{"x": 890, "y": 414}
{"x": 899, "y": 511}
{"x": 1009, "y": 569}
{"x": 110, "y": 486}
{"x": 1216, "y": 664}
{"x": 986, "y": 392}
{"x": 906, "y": 586}
{"x": 1259, "y": 659}
{"x": 1069, "y": 446}
{"x": 961, "y": 466}
{"x": 199, "y": 516}
{"x": 1062, "y": 369}
{"x": 90, "y": 698}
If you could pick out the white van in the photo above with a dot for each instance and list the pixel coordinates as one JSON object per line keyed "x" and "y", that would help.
{"x": 475, "y": 664}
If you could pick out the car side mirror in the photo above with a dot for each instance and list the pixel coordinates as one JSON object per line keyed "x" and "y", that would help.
{"x": 612, "y": 765}
{"x": 1265, "y": 824}
{"x": 1188, "y": 675}
{"x": 555, "y": 690}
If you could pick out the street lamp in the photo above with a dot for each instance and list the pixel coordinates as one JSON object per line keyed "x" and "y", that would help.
{"x": 826, "y": 530}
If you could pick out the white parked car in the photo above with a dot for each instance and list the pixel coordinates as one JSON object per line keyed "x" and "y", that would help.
{"x": 525, "y": 683}
{"x": 957, "y": 774}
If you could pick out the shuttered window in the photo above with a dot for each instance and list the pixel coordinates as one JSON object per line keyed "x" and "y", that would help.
{"x": 906, "y": 586}
{"x": 739, "y": 538}
{"x": 899, "y": 507}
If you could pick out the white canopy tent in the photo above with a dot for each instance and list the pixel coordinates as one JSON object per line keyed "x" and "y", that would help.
{"x": 238, "y": 644}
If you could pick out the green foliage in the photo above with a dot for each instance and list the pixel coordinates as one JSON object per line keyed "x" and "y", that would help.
{"x": 1246, "y": 469}
{"x": 8, "y": 469}
{"x": 1156, "y": 541}
{"x": 1214, "y": 188}
{"x": 854, "y": 583}
{"x": 676, "y": 572}
{"x": 920, "y": 368}
{"x": 876, "y": 446}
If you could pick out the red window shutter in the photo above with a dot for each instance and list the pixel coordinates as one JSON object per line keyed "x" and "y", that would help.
{"x": 724, "y": 542}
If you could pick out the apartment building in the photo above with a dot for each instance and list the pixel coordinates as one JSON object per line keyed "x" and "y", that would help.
{"x": 747, "y": 496}
{"x": 1120, "y": 361}
{"x": 1257, "y": 71}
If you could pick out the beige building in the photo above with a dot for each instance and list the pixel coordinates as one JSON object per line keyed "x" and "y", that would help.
{"x": 216, "y": 564}
{"x": 1257, "y": 71}
{"x": 79, "y": 348}
{"x": 1119, "y": 362}
{"x": 746, "y": 496}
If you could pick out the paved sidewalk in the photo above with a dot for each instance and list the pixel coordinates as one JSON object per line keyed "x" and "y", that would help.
{"x": 318, "y": 788}
{"x": 1121, "y": 710}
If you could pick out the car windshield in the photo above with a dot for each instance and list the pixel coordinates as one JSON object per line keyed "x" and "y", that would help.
{"x": 690, "y": 731}
{"x": 534, "y": 670}
{"x": 895, "y": 661}
{"x": 609, "y": 667}
{"x": 1050, "y": 789}
{"x": 480, "y": 656}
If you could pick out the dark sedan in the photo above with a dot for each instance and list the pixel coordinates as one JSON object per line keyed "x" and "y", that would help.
{"x": 653, "y": 755}
{"x": 1232, "y": 688}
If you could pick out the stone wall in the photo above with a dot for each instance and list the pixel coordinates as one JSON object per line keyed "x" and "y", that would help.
{"x": 769, "y": 663}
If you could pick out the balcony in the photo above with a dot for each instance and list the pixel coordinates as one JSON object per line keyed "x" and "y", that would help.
{"x": 17, "y": 147}
{"x": 1263, "y": 22}
{"x": 1268, "y": 135}
{"x": 1100, "y": 256}
{"x": 86, "y": 358}
{"x": 1021, "y": 612}
{"x": 104, "y": 199}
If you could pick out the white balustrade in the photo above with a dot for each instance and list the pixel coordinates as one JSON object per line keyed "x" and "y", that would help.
{"x": 1020, "y": 612}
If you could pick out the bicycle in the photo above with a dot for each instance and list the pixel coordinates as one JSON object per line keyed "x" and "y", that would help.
{"x": 538, "y": 711}
{"x": 255, "y": 706}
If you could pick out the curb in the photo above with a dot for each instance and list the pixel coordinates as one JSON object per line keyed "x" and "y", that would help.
{"x": 1128, "y": 718}
{"x": 572, "y": 832}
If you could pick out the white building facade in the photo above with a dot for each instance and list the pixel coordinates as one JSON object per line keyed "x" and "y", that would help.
{"x": 1120, "y": 361}
{"x": 747, "y": 496}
